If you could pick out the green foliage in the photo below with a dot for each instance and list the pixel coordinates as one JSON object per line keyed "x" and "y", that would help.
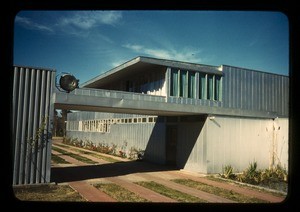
{"x": 119, "y": 193}
{"x": 228, "y": 194}
{"x": 251, "y": 174}
{"x": 169, "y": 192}
{"x": 228, "y": 172}
{"x": 136, "y": 154}
{"x": 58, "y": 160}
{"x": 267, "y": 177}
{"x": 41, "y": 135}
{"x": 47, "y": 193}
{"x": 103, "y": 147}
{"x": 274, "y": 174}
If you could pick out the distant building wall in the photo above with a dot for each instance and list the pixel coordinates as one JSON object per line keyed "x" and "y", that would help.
{"x": 125, "y": 131}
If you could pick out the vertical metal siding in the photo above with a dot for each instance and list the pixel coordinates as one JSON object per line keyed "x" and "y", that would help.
{"x": 147, "y": 136}
{"x": 240, "y": 141}
{"x": 191, "y": 147}
{"x": 32, "y": 90}
{"x": 254, "y": 90}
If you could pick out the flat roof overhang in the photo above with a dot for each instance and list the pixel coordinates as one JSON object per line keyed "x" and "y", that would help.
{"x": 139, "y": 64}
{"x": 99, "y": 100}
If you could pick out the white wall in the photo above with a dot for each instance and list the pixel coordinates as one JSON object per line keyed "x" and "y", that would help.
{"x": 239, "y": 142}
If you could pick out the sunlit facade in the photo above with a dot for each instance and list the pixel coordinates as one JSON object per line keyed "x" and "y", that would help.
{"x": 193, "y": 116}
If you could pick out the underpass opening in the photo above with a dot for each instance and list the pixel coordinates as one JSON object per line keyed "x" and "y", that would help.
{"x": 129, "y": 133}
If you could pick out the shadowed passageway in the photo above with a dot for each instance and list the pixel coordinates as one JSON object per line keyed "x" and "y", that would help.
{"x": 77, "y": 173}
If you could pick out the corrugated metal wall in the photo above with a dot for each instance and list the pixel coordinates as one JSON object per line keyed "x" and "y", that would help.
{"x": 32, "y": 113}
{"x": 146, "y": 136}
{"x": 191, "y": 147}
{"x": 254, "y": 90}
{"x": 240, "y": 141}
{"x": 232, "y": 141}
{"x": 203, "y": 146}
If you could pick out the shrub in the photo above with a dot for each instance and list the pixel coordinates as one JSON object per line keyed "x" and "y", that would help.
{"x": 136, "y": 154}
{"x": 253, "y": 176}
{"x": 228, "y": 172}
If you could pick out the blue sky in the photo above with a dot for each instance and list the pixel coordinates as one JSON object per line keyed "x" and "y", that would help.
{"x": 88, "y": 43}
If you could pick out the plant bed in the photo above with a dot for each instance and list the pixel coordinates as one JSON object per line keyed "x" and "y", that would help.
{"x": 273, "y": 179}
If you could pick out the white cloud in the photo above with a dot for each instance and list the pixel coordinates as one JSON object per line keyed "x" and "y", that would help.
{"x": 90, "y": 19}
{"x": 118, "y": 62}
{"x": 28, "y": 23}
{"x": 78, "y": 23}
{"x": 186, "y": 54}
{"x": 133, "y": 47}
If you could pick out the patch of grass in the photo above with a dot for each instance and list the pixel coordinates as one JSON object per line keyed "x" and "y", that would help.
{"x": 77, "y": 157}
{"x": 47, "y": 193}
{"x": 228, "y": 194}
{"x": 58, "y": 160}
{"x": 248, "y": 186}
{"x": 169, "y": 192}
{"x": 63, "y": 145}
{"x": 108, "y": 159}
{"x": 119, "y": 193}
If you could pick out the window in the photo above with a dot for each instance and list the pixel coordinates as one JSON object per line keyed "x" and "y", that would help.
{"x": 218, "y": 88}
{"x": 183, "y": 84}
{"x": 80, "y": 126}
{"x": 210, "y": 87}
{"x": 202, "y": 86}
{"x": 192, "y": 85}
{"x": 129, "y": 86}
{"x": 100, "y": 127}
{"x": 174, "y": 83}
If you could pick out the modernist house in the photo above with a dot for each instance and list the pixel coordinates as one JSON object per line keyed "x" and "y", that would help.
{"x": 196, "y": 117}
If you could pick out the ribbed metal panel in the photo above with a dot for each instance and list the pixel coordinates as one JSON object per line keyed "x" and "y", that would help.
{"x": 191, "y": 147}
{"x": 205, "y": 145}
{"x": 146, "y": 136}
{"x": 241, "y": 141}
{"x": 256, "y": 91}
{"x": 32, "y": 113}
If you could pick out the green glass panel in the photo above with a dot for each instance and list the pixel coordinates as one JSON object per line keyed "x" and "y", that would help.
{"x": 192, "y": 85}
{"x": 202, "y": 86}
